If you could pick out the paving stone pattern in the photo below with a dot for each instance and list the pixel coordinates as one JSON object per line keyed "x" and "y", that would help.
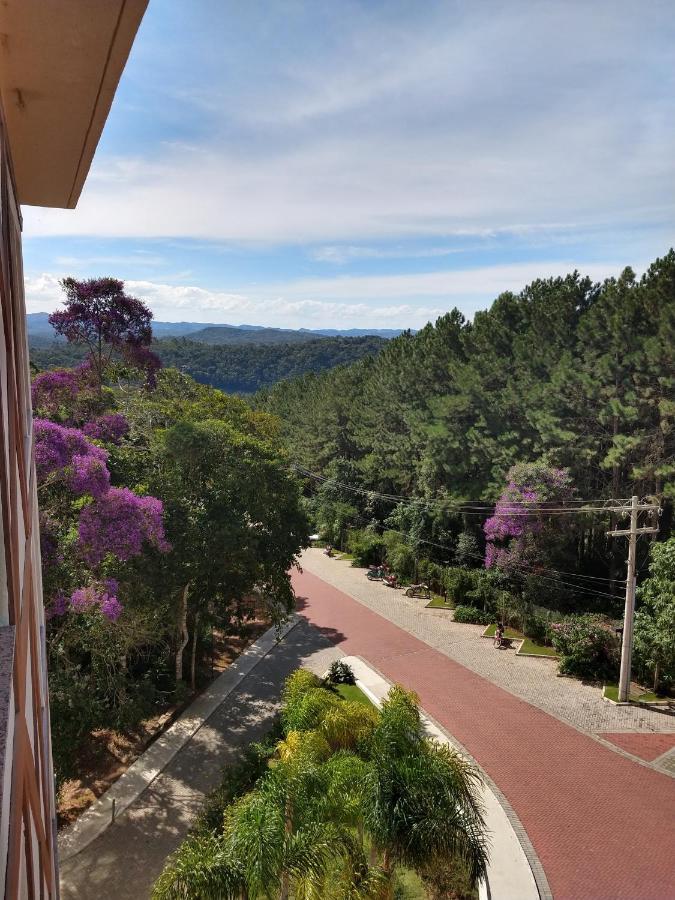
{"x": 532, "y": 679}
{"x": 601, "y": 823}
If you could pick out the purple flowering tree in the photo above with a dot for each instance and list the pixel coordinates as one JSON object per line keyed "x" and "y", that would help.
{"x": 68, "y": 396}
{"x": 119, "y": 523}
{"x": 109, "y": 428}
{"x": 112, "y": 524}
{"x": 99, "y": 315}
{"x": 519, "y": 534}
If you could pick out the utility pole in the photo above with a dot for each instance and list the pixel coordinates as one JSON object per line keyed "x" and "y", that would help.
{"x": 629, "y": 611}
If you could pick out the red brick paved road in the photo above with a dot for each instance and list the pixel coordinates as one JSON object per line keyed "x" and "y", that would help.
{"x": 647, "y": 746}
{"x": 602, "y": 825}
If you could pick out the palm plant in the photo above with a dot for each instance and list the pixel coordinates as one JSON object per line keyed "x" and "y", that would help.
{"x": 202, "y": 868}
{"x": 344, "y": 780}
{"x": 420, "y": 801}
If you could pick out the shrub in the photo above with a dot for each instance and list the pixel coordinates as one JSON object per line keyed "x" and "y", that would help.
{"x": 341, "y": 672}
{"x": 400, "y": 555}
{"x": 488, "y": 593}
{"x": 467, "y": 550}
{"x": 536, "y": 627}
{"x": 588, "y": 648}
{"x": 431, "y": 573}
{"x": 459, "y": 584}
{"x": 366, "y": 547}
{"x": 471, "y": 615}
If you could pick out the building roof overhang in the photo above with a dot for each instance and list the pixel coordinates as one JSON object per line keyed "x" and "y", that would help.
{"x": 60, "y": 64}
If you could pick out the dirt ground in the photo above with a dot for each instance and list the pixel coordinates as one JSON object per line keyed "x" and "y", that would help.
{"x": 107, "y": 754}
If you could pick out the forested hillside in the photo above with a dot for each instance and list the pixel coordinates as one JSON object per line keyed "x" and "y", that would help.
{"x": 571, "y": 375}
{"x": 42, "y": 334}
{"x": 236, "y": 368}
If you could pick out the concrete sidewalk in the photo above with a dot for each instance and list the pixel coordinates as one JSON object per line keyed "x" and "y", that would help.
{"x": 124, "y": 861}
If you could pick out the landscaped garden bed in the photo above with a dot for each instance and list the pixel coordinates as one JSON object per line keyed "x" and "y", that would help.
{"x": 310, "y": 810}
{"x": 528, "y": 647}
{"x": 611, "y": 692}
{"x": 440, "y": 603}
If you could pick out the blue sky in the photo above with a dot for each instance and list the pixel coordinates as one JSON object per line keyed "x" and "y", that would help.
{"x": 374, "y": 163}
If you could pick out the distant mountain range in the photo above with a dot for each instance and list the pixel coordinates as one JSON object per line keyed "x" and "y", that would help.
{"x": 40, "y": 332}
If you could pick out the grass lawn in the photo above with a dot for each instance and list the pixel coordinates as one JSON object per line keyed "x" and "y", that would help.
{"x": 611, "y": 691}
{"x": 439, "y": 603}
{"x": 351, "y": 692}
{"x": 508, "y": 632}
{"x": 530, "y": 647}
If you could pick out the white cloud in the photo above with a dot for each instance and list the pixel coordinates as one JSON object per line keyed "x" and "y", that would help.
{"x": 389, "y": 122}
{"x": 396, "y": 301}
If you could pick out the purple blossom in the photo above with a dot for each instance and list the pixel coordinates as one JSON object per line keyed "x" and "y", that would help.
{"x": 83, "y": 598}
{"x": 58, "y": 606}
{"x": 56, "y": 446}
{"x": 89, "y": 475}
{"x": 110, "y": 428}
{"x": 520, "y": 513}
{"x": 92, "y": 597}
{"x": 111, "y": 607}
{"x": 51, "y": 391}
{"x": 120, "y": 522}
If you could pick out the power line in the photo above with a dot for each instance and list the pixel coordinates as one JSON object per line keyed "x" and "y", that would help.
{"x": 518, "y": 566}
{"x": 471, "y": 508}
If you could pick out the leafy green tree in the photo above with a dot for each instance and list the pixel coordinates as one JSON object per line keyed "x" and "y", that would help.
{"x": 233, "y": 519}
{"x": 232, "y": 507}
{"x": 655, "y": 619}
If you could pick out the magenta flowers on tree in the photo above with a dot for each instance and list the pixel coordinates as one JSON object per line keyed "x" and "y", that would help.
{"x": 115, "y": 522}
{"x": 63, "y": 453}
{"x": 515, "y": 533}
{"x": 120, "y": 522}
{"x": 103, "y": 318}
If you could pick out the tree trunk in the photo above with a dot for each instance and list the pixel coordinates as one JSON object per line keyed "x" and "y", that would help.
{"x": 657, "y": 673}
{"x": 183, "y": 634}
{"x": 388, "y": 868}
{"x": 193, "y": 661}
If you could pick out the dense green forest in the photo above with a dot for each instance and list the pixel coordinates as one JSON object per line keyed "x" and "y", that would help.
{"x": 240, "y": 368}
{"x": 569, "y": 376}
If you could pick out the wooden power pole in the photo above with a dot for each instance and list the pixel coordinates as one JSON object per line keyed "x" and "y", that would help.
{"x": 627, "y": 639}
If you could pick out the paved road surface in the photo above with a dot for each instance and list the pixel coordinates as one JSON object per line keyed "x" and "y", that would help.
{"x": 602, "y": 824}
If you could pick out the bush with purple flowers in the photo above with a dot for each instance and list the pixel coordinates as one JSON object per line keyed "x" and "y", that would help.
{"x": 109, "y": 428}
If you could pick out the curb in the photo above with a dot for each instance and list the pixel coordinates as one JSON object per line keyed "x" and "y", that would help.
{"x": 516, "y": 871}
{"x": 143, "y": 771}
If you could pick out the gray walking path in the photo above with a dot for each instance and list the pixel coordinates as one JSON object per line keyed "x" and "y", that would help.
{"x": 164, "y": 794}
